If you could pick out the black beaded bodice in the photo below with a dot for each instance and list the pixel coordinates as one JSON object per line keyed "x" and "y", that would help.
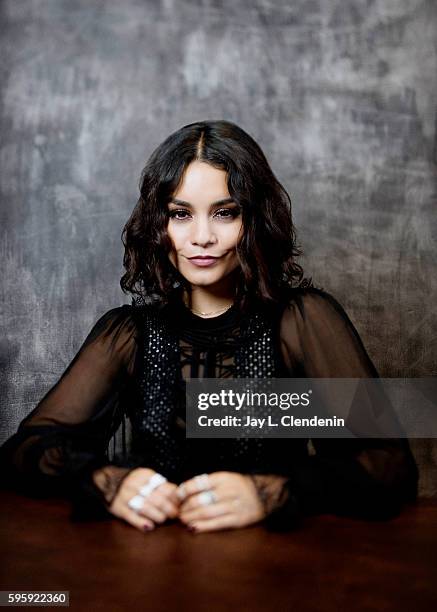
{"x": 175, "y": 345}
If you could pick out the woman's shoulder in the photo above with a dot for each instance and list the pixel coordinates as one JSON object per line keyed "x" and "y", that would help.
{"x": 118, "y": 331}
{"x": 316, "y": 330}
{"x": 124, "y": 312}
{"x": 118, "y": 314}
{"x": 311, "y": 311}
{"x": 136, "y": 315}
{"x": 133, "y": 318}
{"x": 124, "y": 321}
{"x": 308, "y": 302}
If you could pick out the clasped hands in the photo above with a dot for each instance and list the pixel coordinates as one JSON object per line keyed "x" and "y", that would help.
{"x": 233, "y": 501}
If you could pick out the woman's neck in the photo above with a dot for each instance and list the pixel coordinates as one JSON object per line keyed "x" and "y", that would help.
{"x": 202, "y": 300}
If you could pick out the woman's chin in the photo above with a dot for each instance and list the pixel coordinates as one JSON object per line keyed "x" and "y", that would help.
{"x": 204, "y": 277}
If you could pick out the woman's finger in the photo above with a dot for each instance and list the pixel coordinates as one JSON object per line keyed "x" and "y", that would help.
{"x": 201, "y": 482}
{"x": 197, "y": 499}
{"x": 173, "y": 497}
{"x": 226, "y": 521}
{"x": 206, "y": 512}
{"x": 157, "y": 506}
{"x": 150, "y": 511}
{"x": 121, "y": 510}
{"x": 140, "y": 522}
{"x": 147, "y": 510}
{"x": 163, "y": 503}
{"x": 160, "y": 504}
{"x": 169, "y": 490}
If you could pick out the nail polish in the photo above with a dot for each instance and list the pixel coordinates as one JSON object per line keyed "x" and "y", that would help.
{"x": 147, "y": 527}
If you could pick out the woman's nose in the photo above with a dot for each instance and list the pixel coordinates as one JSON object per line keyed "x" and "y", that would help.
{"x": 203, "y": 233}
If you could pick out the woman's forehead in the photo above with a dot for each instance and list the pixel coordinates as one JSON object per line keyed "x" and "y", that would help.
{"x": 200, "y": 176}
{"x": 202, "y": 185}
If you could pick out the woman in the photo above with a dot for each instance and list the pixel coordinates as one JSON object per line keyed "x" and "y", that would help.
{"x": 210, "y": 257}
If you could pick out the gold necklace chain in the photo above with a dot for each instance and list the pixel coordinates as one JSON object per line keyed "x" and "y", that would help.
{"x": 211, "y": 313}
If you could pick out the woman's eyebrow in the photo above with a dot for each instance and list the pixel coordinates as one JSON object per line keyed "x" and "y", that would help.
{"x": 188, "y": 205}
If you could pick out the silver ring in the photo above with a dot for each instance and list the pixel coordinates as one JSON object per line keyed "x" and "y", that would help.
{"x": 207, "y": 497}
{"x": 202, "y": 482}
{"x": 136, "y": 503}
{"x": 153, "y": 483}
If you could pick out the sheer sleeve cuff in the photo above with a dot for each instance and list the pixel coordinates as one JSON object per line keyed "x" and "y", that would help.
{"x": 280, "y": 505}
{"x": 92, "y": 492}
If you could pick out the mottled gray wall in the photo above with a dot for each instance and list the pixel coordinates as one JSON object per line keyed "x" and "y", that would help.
{"x": 340, "y": 95}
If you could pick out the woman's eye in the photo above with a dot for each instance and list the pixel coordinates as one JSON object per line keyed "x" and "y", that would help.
{"x": 175, "y": 214}
{"x": 229, "y": 213}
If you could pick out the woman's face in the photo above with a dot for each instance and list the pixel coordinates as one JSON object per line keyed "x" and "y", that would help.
{"x": 204, "y": 225}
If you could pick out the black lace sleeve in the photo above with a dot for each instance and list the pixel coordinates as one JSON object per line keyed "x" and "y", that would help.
{"x": 363, "y": 478}
{"x": 64, "y": 439}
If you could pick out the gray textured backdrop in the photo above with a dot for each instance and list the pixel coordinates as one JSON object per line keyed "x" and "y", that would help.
{"x": 340, "y": 95}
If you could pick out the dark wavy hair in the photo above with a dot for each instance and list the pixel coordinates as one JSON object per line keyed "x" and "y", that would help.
{"x": 267, "y": 251}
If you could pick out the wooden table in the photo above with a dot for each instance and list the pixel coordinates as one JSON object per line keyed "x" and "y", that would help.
{"x": 330, "y": 563}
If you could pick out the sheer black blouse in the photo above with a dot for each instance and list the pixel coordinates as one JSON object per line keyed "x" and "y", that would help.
{"x": 64, "y": 440}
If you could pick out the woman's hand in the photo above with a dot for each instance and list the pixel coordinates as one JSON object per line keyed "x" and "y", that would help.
{"x": 160, "y": 505}
{"x": 236, "y": 502}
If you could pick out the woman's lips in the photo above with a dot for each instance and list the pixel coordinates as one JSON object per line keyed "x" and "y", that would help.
{"x": 203, "y": 261}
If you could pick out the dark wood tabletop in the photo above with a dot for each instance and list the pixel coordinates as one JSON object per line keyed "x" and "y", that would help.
{"x": 329, "y": 563}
